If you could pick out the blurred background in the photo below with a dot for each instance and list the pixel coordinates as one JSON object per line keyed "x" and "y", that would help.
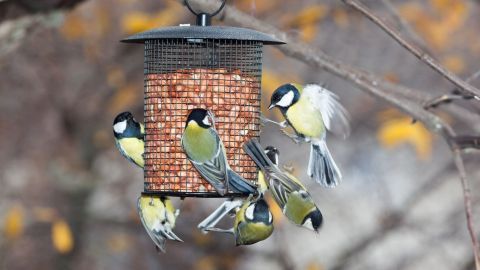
{"x": 68, "y": 199}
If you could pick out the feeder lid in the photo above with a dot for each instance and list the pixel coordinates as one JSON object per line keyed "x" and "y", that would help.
{"x": 199, "y": 32}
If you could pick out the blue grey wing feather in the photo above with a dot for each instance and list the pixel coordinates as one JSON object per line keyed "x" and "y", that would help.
{"x": 159, "y": 240}
{"x": 281, "y": 185}
{"x": 215, "y": 170}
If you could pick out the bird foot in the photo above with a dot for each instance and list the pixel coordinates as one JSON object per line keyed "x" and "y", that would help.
{"x": 265, "y": 120}
{"x": 295, "y": 138}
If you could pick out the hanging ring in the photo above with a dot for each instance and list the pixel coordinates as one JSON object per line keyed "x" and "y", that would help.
{"x": 209, "y": 14}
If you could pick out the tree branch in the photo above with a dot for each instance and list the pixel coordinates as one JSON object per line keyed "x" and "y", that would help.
{"x": 467, "y": 200}
{"x": 403, "y": 24}
{"x": 463, "y": 86}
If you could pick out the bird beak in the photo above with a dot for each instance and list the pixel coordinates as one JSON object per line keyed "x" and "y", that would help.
{"x": 271, "y": 106}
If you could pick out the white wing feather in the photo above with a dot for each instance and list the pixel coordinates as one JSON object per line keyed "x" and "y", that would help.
{"x": 334, "y": 115}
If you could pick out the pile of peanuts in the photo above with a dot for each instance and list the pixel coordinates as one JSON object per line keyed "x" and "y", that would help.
{"x": 232, "y": 98}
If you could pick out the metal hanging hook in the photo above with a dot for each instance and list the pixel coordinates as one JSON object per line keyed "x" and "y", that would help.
{"x": 204, "y": 18}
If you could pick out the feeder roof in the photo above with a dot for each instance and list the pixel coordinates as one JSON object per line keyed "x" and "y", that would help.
{"x": 207, "y": 32}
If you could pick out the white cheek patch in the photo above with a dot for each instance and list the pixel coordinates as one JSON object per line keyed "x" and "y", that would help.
{"x": 249, "y": 211}
{"x": 308, "y": 224}
{"x": 120, "y": 126}
{"x": 286, "y": 100}
{"x": 206, "y": 121}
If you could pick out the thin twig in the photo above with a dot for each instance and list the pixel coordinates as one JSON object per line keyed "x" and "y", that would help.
{"x": 405, "y": 26}
{"x": 455, "y": 94}
{"x": 465, "y": 142}
{"x": 457, "y": 156}
{"x": 463, "y": 86}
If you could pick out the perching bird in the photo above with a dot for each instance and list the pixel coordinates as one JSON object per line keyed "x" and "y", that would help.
{"x": 253, "y": 220}
{"x": 250, "y": 226}
{"x": 206, "y": 152}
{"x": 310, "y": 110}
{"x": 158, "y": 217}
{"x": 272, "y": 154}
{"x": 157, "y": 214}
{"x": 292, "y": 197}
{"x": 129, "y": 137}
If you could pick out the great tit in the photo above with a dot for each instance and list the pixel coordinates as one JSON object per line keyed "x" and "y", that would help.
{"x": 251, "y": 230}
{"x": 158, "y": 216}
{"x": 253, "y": 220}
{"x": 206, "y": 152}
{"x": 129, "y": 137}
{"x": 310, "y": 110}
{"x": 288, "y": 192}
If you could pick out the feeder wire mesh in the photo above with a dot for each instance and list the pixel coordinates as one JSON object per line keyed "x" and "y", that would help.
{"x": 221, "y": 75}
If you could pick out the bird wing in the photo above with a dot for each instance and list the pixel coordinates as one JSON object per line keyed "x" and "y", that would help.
{"x": 334, "y": 115}
{"x": 215, "y": 170}
{"x": 282, "y": 184}
{"x": 158, "y": 239}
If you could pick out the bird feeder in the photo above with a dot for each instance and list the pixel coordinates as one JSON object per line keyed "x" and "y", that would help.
{"x": 212, "y": 67}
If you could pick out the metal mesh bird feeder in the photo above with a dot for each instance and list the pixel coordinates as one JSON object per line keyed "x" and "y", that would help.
{"x": 212, "y": 67}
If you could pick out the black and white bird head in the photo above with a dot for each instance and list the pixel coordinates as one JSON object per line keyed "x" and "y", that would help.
{"x": 259, "y": 212}
{"x": 201, "y": 117}
{"x": 125, "y": 125}
{"x": 284, "y": 96}
{"x": 313, "y": 220}
{"x": 272, "y": 154}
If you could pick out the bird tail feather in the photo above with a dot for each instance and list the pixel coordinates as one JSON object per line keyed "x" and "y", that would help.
{"x": 321, "y": 166}
{"x": 238, "y": 184}
{"x": 169, "y": 234}
{"x": 256, "y": 153}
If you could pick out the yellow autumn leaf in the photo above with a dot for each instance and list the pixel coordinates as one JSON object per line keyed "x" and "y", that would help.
{"x": 62, "y": 237}
{"x": 454, "y": 63}
{"x": 308, "y": 15}
{"x": 313, "y": 266}
{"x": 340, "y": 17}
{"x": 308, "y": 32}
{"x": 14, "y": 222}
{"x": 136, "y": 22}
{"x": 401, "y": 130}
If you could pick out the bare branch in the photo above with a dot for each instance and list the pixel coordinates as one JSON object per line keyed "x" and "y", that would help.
{"x": 455, "y": 95}
{"x": 405, "y": 26}
{"x": 457, "y": 156}
{"x": 464, "y": 87}
{"x": 464, "y": 142}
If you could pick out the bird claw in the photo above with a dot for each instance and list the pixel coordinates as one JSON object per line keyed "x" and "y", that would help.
{"x": 296, "y": 139}
{"x": 264, "y": 120}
